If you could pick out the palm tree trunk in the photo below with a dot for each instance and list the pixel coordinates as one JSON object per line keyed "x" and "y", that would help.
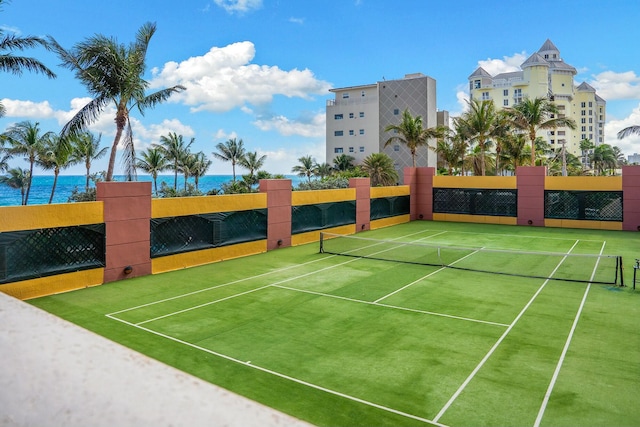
{"x": 26, "y": 197}
{"x": 114, "y": 151}
{"x": 86, "y": 184}
{"x": 532, "y": 137}
{"x": 56, "y": 172}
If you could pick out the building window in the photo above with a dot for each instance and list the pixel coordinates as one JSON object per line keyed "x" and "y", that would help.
{"x": 517, "y": 96}
{"x": 485, "y": 96}
{"x": 362, "y": 93}
{"x": 505, "y": 92}
{"x": 338, "y": 133}
{"x": 396, "y": 111}
{"x": 337, "y": 150}
{"x": 345, "y": 95}
{"x": 351, "y": 149}
{"x": 338, "y": 117}
{"x": 583, "y": 120}
{"x": 584, "y": 129}
{"x": 362, "y": 149}
{"x": 583, "y": 104}
{"x": 396, "y": 148}
{"x": 584, "y": 136}
{"x": 505, "y": 102}
{"x": 590, "y": 119}
{"x": 584, "y": 113}
{"x": 476, "y": 84}
{"x": 351, "y": 132}
{"x": 590, "y": 104}
{"x": 361, "y": 113}
{"x": 361, "y": 131}
{"x": 561, "y": 133}
{"x": 351, "y": 116}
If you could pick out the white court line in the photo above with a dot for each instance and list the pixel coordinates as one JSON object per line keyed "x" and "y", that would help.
{"x": 495, "y": 346}
{"x": 521, "y": 236}
{"x": 422, "y": 278}
{"x": 556, "y": 373}
{"x": 287, "y": 377}
{"x": 251, "y": 277}
{"x": 256, "y": 289}
{"x": 431, "y": 313}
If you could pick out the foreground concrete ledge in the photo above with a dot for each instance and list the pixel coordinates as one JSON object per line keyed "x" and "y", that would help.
{"x": 54, "y": 373}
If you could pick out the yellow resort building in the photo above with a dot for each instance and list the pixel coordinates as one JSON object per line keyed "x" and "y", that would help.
{"x": 545, "y": 74}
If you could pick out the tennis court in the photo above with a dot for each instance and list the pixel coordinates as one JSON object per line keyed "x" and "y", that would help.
{"x": 425, "y": 323}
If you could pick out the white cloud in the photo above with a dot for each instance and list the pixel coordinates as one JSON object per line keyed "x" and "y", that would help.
{"x": 283, "y": 159}
{"x": 611, "y": 85}
{"x": 239, "y": 6}
{"x": 306, "y": 127}
{"x": 296, "y": 20}
{"x": 224, "y": 79}
{"x": 222, "y": 134}
{"x": 505, "y": 65}
{"x": 630, "y": 144}
{"x": 27, "y": 109}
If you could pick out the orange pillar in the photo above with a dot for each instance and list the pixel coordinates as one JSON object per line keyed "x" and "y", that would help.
{"x": 278, "y": 211}
{"x": 127, "y": 217}
{"x": 530, "y": 183}
{"x": 420, "y": 182}
{"x": 631, "y": 198}
{"x": 363, "y": 202}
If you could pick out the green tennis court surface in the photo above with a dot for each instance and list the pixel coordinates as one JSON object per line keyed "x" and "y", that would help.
{"x": 343, "y": 340}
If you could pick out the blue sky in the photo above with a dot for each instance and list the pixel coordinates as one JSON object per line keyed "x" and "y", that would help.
{"x": 261, "y": 70}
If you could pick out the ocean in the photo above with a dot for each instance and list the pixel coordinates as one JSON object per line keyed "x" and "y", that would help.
{"x": 41, "y": 187}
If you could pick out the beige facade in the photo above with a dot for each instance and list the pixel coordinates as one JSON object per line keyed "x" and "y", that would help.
{"x": 545, "y": 74}
{"x": 358, "y": 115}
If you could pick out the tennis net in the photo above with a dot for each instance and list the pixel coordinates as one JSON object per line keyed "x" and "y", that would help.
{"x": 572, "y": 267}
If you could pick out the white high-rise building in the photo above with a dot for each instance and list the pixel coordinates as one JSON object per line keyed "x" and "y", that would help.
{"x": 545, "y": 74}
{"x": 358, "y": 115}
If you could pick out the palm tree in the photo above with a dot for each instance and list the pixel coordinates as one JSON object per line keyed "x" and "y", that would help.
{"x": 253, "y": 162}
{"x": 17, "y": 64}
{"x": 603, "y": 158}
{"x": 187, "y": 167}
{"x": 628, "y": 131}
{"x": 87, "y": 149}
{"x": 451, "y": 150}
{"x": 200, "y": 167}
{"x": 56, "y": 154}
{"x": 585, "y": 146}
{"x": 305, "y": 168}
{"x": 112, "y": 73}
{"x": 174, "y": 149}
{"x": 25, "y": 139}
{"x": 323, "y": 170}
{"x": 411, "y": 133}
{"x": 380, "y": 168}
{"x": 515, "y": 150}
{"x": 153, "y": 162}
{"x": 343, "y": 162}
{"x": 481, "y": 125}
{"x": 231, "y": 151}
{"x": 18, "y": 179}
{"x": 532, "y": 115}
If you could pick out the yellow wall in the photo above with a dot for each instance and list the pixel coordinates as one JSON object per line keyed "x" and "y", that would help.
{"x": 313, "y": 197}
{"x": 489, "y": 182}
{"x": 314, "y": 236}
{"x": 386, "y": 222}
{"x": 34, "y": 288}
{"x": 586, "y": 224}
{"x": 584, "y": 183}
{"x": 206, "y": 256}
{"x": 16, "y": 218}
{"x": 480, "y": 219}
{"x": 181, "y": 206}
{"x": 398, "y": 190}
